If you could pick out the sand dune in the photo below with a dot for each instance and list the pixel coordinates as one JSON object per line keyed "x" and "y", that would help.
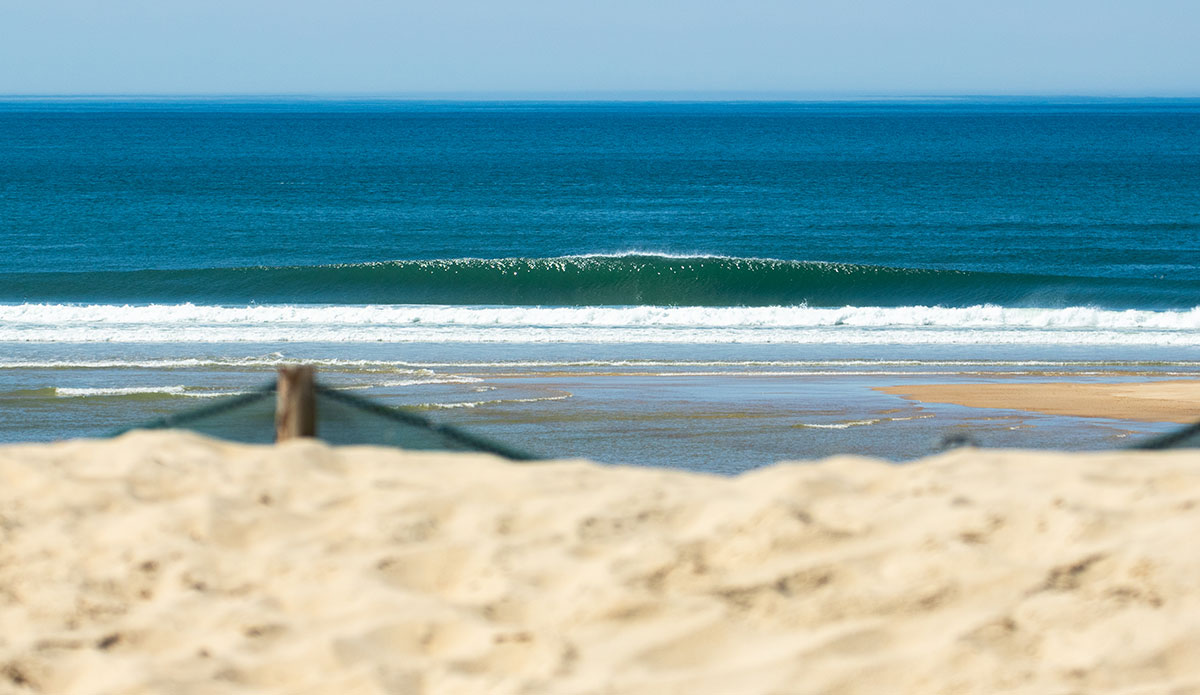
{"x": 170, "y": 563}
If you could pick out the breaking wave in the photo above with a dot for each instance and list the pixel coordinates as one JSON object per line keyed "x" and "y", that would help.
{"x": 599, "y": 280}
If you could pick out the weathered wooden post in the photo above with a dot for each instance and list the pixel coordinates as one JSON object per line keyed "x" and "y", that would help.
{"x": 295, "y": 403}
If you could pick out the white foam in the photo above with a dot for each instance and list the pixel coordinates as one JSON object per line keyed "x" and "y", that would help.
{"x": 984, "y": 324}
{"x": 213, "y": 362}
{"x": 422, "y": 369}
{"x": 839, "y": 425}
{"x": 476, "y": 404}
{"x": 426, "y": 382}
{"x": 634, "y": 253}
{"x": 64, "y": 392}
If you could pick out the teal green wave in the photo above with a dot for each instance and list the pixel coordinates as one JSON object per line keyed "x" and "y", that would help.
{"x": 598, "y": 280}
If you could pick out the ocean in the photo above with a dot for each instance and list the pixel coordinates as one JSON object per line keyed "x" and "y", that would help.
{"x": 713, "y": 286}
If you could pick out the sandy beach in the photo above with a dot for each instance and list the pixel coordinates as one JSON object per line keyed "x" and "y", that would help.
{"x": 168, "y": 562}
{"x": 1145, "y": 401}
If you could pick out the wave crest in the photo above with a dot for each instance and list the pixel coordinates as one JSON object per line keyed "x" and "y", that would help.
{"x": 625, "y": 279}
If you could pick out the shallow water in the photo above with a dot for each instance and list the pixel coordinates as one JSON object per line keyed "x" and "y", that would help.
{"x": 719, "y": 409}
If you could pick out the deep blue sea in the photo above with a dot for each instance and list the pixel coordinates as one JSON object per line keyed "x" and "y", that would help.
{"x": 539, "y": 271}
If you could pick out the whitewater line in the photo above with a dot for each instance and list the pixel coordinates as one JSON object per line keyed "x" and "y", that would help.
{"x": 908, "y": 325}
{"x": 18, "y": 317}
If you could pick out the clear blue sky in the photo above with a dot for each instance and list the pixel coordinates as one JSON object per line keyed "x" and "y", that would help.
{"x": 570, "y": 47}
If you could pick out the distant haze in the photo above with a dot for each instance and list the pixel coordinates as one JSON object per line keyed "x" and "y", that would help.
{"x": 631, "y": 47}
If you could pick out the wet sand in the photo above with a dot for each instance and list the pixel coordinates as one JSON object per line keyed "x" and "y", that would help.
{"x": 1144, "y": 401}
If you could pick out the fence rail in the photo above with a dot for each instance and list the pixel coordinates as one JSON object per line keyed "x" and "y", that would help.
{"x": 1185, "y": 436}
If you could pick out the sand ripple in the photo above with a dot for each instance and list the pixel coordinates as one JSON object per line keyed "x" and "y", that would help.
{"x": 170, "y": 563}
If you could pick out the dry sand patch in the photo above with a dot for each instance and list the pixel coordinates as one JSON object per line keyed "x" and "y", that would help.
{"x": 168, "y": 562}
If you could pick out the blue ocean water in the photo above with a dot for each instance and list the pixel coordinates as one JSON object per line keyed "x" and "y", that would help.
{"x": 203, "y": 232}
{"x": 1106, "y": 190}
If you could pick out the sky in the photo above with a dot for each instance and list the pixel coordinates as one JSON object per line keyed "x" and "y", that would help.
{"x": 575, "y": 48}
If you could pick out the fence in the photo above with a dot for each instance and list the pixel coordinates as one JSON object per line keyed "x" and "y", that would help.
{"x": 296, "y": 406}
{"x": 1188, "y": 436}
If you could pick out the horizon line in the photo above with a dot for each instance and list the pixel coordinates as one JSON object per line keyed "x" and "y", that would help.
{"x": 600, "y": 96}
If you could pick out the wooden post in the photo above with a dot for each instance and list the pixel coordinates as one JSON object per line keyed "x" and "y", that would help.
{"x": 295, "y": 403}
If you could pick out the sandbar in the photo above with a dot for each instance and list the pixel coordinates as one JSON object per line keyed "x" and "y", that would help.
{"x": 1145, "y": 401}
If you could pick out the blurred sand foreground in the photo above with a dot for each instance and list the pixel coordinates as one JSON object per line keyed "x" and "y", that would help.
{"x": 170, "y": 563}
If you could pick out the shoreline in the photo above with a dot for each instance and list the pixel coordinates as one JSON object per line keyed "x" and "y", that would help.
{"x": 1176, "y": 400}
